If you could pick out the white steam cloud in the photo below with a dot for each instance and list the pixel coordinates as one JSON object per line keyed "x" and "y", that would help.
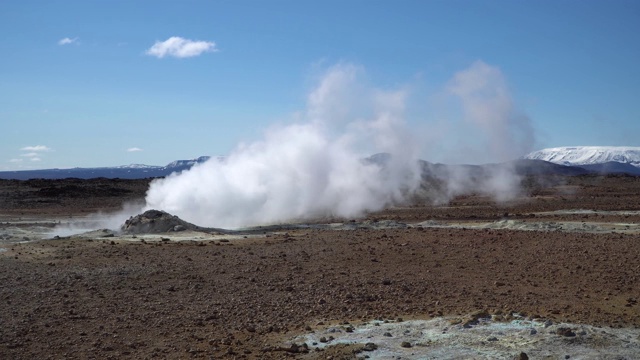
{"x": 495, "y": 131}
{"x": 310, "y": 169}
{"x": 488, "y": 107}
{"x": 316, "y": 167}
{"x": 97, "y": 221}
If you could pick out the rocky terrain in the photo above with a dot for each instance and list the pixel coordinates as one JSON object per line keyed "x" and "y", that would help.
{"x": 277, "y": 293}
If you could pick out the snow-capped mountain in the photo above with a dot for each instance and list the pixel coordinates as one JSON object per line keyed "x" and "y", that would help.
{"x": 135, "y": 166}
{"x": 588, "y": 155}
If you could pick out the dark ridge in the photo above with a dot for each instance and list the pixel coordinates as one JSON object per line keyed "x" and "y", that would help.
{"x": 612, "y": 167}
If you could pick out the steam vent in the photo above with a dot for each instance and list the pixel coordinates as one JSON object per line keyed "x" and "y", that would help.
{"x": 154, "y": 222}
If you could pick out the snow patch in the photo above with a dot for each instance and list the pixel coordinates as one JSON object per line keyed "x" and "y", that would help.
{"x": 587, "y": 155}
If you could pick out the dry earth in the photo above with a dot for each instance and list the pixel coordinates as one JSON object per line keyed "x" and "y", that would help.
{"x": 126, "y": 297}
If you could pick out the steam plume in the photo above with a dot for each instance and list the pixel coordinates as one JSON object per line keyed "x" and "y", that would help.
{"x": 315, "y": 167}
{"x": 309, "y": 169}
{"x": 498, "y": 133}
{"x": 488, "y": 107}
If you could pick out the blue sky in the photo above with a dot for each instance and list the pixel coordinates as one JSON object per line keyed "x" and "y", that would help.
{"x": 81, "y": 83}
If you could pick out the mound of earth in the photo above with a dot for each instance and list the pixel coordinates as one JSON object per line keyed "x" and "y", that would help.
{"x": 156, "y": 221}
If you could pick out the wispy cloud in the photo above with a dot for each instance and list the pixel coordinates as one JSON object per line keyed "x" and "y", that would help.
{"x": 33, "y": 153}
{"x": 67, "y": 41}
{"x": 180, "y": 48}
{"x": 36, "y": 148}
{"x": 134, "y": 149}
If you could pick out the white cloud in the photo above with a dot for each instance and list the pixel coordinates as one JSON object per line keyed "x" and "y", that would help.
{"x": 33, "y": 153}
{"x": 67, "y": 41}
{"x": 181, "y": 48}
{"x": 36, "y": 148}
{"x": 134, "y": 149}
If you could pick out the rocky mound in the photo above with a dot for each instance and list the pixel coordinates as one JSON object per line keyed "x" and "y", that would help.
{"x": 156, "y": 221}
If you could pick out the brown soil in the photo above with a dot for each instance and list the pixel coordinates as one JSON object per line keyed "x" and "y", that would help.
{"x": 240, "y": 299}
{"x": 68, "y": 196}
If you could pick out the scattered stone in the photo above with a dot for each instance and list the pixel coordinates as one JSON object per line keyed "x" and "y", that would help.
{"x": 370, "y": 347}
{"x": 406, "y": 344}
{"x": 349, "y": 329}
{"x": 294, "y": 348}
{"x": 523, "y": 356}
{"x": 565, "y": 331}
{"x": 474, "y": 319}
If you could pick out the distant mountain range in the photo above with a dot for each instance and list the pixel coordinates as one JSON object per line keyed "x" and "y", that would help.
{"x": 596, "y": 159}
{"x": 524, "y": 167}
{"x": 133, "y": 171}
{"x": 571, "y": 161}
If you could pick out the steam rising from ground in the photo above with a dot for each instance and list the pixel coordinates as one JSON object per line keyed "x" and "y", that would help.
{"x": 309, "y": 169}
{"x": 315, "y": 167}
{"x": 488, "y": 107}
{"x": 95, "y": 221}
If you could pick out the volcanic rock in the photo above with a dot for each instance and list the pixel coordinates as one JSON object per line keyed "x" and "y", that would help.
{"x": 155, "y": 222}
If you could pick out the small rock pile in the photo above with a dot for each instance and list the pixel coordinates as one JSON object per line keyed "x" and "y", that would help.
{"x": 155, "y": 222}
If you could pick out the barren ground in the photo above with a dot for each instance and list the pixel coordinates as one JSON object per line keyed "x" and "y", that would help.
{"x": 243, "y": 298}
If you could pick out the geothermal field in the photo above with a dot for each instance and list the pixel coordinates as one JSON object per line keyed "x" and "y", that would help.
{"x": 88, "y": 271}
